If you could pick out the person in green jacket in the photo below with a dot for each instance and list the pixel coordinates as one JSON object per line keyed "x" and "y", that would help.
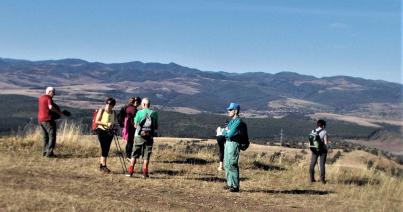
{"x": 231, "y": 149}
{"x": 146, "y": 122}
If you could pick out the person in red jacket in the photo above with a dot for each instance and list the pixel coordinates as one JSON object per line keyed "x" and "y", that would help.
{"x": 48, "y": 112}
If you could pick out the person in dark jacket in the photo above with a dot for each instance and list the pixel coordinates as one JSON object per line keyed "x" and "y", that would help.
{"x": 131, "y": 110}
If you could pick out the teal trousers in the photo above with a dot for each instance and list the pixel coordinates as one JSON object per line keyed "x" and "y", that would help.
{"x": 231, "y": 157}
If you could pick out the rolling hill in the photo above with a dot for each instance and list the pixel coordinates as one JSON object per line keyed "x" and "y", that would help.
{"x": 355, "y": 107}
{"x": 174, "y": 86}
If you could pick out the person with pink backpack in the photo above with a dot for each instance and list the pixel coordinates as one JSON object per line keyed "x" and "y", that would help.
{"x": 128, "y": 128}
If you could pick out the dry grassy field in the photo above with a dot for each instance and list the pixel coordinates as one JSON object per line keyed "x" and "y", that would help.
{"x": 184, "y": 177}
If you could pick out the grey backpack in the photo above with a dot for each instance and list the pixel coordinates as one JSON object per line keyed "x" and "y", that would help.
{"x": 147, "y": 127}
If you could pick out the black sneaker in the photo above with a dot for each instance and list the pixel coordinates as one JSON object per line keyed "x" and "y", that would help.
{"x": 104, "y": 169}
{"x": 312, "y": 181}
{"x": 51, "y": 155}
{"x": 323, "y": 181}
{"x": 234, "y": 189}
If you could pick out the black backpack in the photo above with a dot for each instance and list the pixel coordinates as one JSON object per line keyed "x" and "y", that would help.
{"x": 121, "y": 116}
{"x": 315, "y": 142}
{"x": 243, "y": 136}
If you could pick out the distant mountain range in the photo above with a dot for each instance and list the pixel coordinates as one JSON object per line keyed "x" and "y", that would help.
{"x": 173, "y": 86}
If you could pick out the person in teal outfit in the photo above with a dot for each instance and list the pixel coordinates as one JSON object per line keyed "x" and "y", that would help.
{"x": 231, "y": 149}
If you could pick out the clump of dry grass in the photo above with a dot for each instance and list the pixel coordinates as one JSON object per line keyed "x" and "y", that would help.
{"x": 70, "y": 140}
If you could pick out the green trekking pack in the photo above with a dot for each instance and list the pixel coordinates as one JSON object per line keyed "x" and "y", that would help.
{"x": 315, "y": 142}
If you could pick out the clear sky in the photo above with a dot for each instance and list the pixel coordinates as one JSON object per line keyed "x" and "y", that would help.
{"x": 322, "y": 38}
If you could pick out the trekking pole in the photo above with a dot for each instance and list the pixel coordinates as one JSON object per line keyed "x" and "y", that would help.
{"x": 120, "y": 154}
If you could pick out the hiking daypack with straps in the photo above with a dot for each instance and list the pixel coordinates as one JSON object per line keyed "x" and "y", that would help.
{"x": 147, "y": 126}
{"x": 315, "y": 142}
{"x": 243, "y": 136}
{"x": 121, "y": 116}
{"x": 125, "y": 129}
{"x": 94, "y": 120}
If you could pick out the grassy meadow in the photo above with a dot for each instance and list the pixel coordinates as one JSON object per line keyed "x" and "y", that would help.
{"x": 184, "y": 177}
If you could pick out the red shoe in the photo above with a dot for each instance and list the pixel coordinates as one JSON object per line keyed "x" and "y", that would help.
{"x": 145, "y": 173}
{"x": 130, "y": 171}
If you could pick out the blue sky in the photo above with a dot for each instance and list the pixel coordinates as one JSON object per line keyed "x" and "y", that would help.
{"x": 322, "y": 38}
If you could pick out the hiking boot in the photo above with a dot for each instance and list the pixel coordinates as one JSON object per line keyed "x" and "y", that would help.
{"x": 51, "y": 155}
{"x": 44, "y": 154}
{"x": 312, "y": 181}
{"x": 104, "y": 169}
{"x": 234, "y": 189}
{"x": 130, "y": 171}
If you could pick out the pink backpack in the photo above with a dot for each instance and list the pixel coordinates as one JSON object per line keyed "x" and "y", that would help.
{"x": 125, "y": 129}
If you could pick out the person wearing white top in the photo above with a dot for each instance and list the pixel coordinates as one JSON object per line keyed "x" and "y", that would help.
{"x": 321, "y": 153}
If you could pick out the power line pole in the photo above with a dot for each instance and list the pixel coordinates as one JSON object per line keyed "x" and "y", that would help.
{"x": 281, "y": 137}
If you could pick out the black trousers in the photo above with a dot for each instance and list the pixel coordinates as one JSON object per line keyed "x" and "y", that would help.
{"x": 129, "y": 143}
{"x": 105, "y": 140}
{"x": 322, "y": 154}
{"x": 221, "y": 144}
{"x": 48, "y": 137}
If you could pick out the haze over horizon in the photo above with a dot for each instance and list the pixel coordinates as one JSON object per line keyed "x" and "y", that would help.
{"x": 319, "y": 38}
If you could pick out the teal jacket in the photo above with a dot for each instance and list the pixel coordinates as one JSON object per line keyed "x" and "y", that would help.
{"x": 232, "y": 132}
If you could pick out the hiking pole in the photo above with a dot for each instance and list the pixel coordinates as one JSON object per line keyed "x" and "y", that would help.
{"x": 120, "y": 154}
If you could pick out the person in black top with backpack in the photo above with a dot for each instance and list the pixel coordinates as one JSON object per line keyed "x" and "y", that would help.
{"x": 319, "y": 145}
